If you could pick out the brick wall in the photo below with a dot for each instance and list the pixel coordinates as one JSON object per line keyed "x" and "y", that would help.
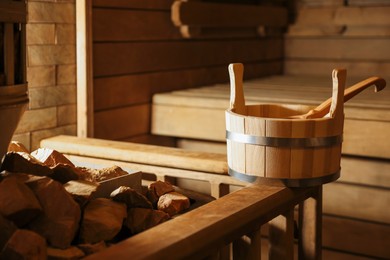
{"x": 51, "y": 72}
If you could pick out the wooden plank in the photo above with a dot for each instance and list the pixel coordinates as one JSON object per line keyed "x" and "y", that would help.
{"x": 321, "y": 67}
{"x": 135, "y": 57}
{"x": 132, "y": 25}
{"x": 369, "y": 15}
{"x": 196, "y": 32}
{"x": 9, "y": 54}
{"x": 13, "y": 11}
{"x": 310, "y": 226}
{"x": 367, "y": 138}
{"x": 365, "y": 171}
{"x": 203, "y": 14}
{"x": 368, "y": 31}
{"x": 134, "y": 4}
{"x": 140, "y": 153}
{"x": 200, "y": 145}
{"x": 110, "y": 92}
{"x": 184, "y": 122}
{"x": 281, "y": 236}
{"x": 338, "y": 48}
{"x": 368, "y": 2}
{"x": 338, "y": 30}
{"x": 216, "y": 222}
{"x": 123, "y": 122}
{"x": 152, "y": 139}
{"x": 85, "y": 118}
{"x": 356, "y": 202}
{"x": 312, "y": 30}
{"x": 365, "y": 238}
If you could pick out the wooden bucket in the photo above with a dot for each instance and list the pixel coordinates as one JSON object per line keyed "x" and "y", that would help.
{"x": 264, "y": 144}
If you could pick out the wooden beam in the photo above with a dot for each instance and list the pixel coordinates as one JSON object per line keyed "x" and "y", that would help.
{"x": 13, "y": 11}
{"x": 147, "y": 154}
{"x": 139, "y": 57}
{"x": 134, "y": 4}
{"x": 216, "y": 223}
{"x": 9, "y": 54}
{"x": 194, "y": 13}
{"x": 84, "y": 68}
{"x": 310, "y": 227}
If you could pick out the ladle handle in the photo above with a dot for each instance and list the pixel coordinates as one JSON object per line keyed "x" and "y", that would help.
{"x": 322, "y": 109}
{"x": 339, "y": 76}
{"x": 237, "y": 100}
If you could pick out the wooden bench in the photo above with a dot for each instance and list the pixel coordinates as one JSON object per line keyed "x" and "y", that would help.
{"x": 207, "y": 231}
{"x": 354, "y": 205}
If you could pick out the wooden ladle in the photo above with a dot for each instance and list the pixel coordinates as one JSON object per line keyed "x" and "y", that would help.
{"x": 323, "y": 109}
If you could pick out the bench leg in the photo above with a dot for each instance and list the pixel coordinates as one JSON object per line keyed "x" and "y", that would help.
{"x": 310, "y": 225}
{"x": 281, "y": 236}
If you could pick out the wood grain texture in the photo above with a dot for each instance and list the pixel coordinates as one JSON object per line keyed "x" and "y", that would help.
{"x": 122, "y": 122}
{"x": 319, "y": 67}
{"x": 367, "y": 238}
{"x": 140, "y": 153}
{"x": 216, "y": 221}
{"x": 338, "y": 48}
{"x": 115, "y": 25}
{"x": 345, "y": 15}
{"x": 203, "y": 14}
{"x": 117, "y": 91}
{"x": 356, "y": 202}
{"x": 13, "y": 11}
{"x": 136, "y": 4}
{"x": 136, "y": 57}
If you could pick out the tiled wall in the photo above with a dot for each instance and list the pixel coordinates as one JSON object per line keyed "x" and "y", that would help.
{"x": 51, "y": 72}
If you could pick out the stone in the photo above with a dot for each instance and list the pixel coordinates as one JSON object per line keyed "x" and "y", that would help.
{"x": 24, "y": 244}
{"x": 140, "y": 219}
{"x": 7, "y": 229}
{"x": 173, "y": 203}
{"x": 63, "y": 169}
{"x": 17, "y": 201}
{"x": 161, "y": 187}
{"x": 59, "y": 222}
{"x": 70, "y": 253}
{"x": 131, "y": 198}
{"x": 50, "y": 157}
{"x": 81, "y": 191}
{"x": 24, "y": 163}
{"x": 15, "y": 146}
{"x": 102, "y": 220}
{"x": 156, "y": 189}
{"x": 98, "y": 175}
{"x": 89, "y": 249}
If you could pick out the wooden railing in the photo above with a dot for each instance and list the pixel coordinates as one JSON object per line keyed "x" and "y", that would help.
{"x": 229, "y": 227}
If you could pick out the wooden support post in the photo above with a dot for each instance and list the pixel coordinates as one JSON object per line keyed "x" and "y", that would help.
{"x": 254, "y": 252}
{"x": 310, "y": 227}
{"x": 84, "y": 68}
{"x": 248, "y": 246}
{"x": 218, "y": 189}
{"x": 281, "y": 236}
{"x": 9, "y": 54}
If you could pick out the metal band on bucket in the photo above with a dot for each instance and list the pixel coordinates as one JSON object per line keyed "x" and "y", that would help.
{"x": 304, "y": 182}
{"x": 283, "y": 141}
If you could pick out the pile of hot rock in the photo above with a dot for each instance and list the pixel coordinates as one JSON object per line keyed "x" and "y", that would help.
{"x": 48, "y": 208}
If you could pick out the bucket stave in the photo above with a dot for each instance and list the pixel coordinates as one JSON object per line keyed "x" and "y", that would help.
{"x": 263, "y": 142}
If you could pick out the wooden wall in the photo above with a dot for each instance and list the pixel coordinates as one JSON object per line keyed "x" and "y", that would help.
{"x": 137, "y": 51}
{"x": 355, "y": 36}
{"x": 51, "y": 72}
